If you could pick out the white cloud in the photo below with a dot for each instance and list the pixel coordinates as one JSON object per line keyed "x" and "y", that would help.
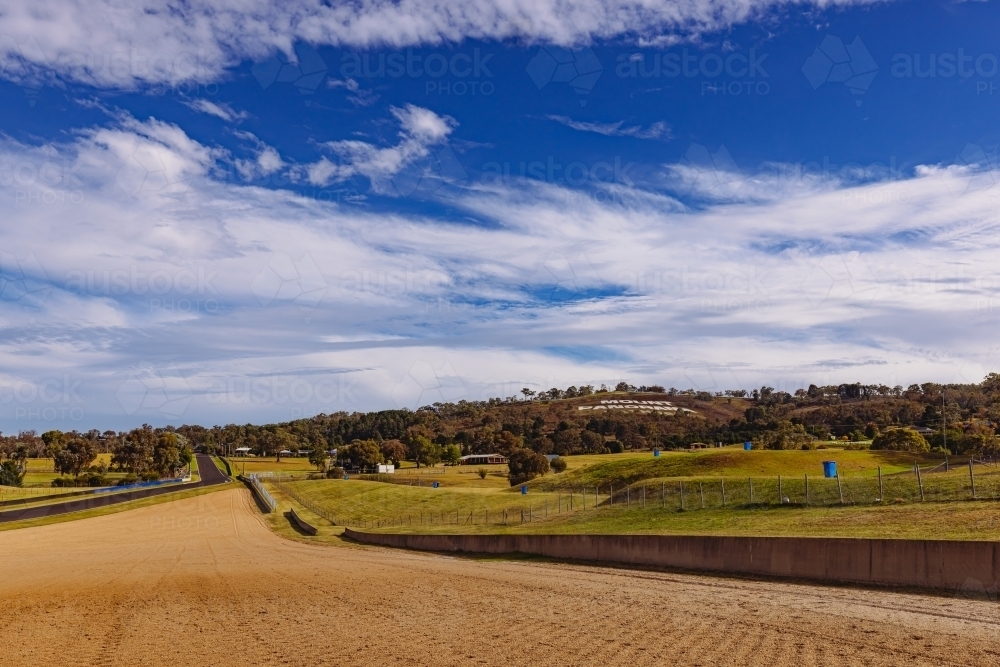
{"x": 420, "y": 129}
{"x": 217, "y": 109}
{"x": 658, "y": 130}
{"x": 149, "y": 262}
{"x": 267, "y": 160}
{"x": 111, "y": 44}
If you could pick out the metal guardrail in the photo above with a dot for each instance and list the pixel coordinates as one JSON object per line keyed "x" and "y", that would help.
{"x": 261, "y": 492}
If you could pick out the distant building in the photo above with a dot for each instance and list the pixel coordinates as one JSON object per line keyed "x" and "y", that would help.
{"x": 482, "y": 459}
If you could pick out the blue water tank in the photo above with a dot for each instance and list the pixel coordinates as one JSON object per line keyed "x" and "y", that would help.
{"x": 347, "y": 476}
{"x": 524, "y": 490}
{"x": 747, "y": 446}
{"x": 829, "y": 469}
{"x": 437, "y": 484}
{"x": 656, "y": 452}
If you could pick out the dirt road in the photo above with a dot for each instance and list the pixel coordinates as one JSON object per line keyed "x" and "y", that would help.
{"x": 203, "y": 581}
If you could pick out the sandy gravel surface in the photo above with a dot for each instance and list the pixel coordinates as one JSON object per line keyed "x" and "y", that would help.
{"x": 203, "y": 581}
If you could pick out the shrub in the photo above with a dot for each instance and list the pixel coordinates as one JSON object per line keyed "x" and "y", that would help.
{"x": 335, "y": 473}
{"x": 130, "y": 478}
{"x": 11, "y": 473}
{"x": 901, "y": 440}
{"x": 615, "y": 447}
{"x": 482, "y": 473}
{"x": 558, "y": 464}
{"x": 525, "y": 465}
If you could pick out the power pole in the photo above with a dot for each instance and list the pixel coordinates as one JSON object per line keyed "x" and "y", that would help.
{"x": 944, "y": 422}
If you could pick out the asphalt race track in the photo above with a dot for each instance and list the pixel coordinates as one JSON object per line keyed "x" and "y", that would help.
{"x": 210, "y": 475}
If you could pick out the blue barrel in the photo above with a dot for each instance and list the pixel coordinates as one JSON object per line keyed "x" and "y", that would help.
{"x": 437, "y": 484}
{"x": 829, "y": 469}
{"x": 656, "y": 452}
{"x": 524, "y": 490}
{"x": 347, "y": 476}
{"x": 747, "y": 446}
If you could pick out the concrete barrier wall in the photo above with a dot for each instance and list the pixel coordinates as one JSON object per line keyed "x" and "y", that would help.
{"x": 919, "y": 563}
{"x": 302, "y": 523}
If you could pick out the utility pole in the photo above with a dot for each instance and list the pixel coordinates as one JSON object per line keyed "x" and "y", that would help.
{"x": 944, "y": 422}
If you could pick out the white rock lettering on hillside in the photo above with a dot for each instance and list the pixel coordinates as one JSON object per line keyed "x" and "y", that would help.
{"x": 642, "y": 406}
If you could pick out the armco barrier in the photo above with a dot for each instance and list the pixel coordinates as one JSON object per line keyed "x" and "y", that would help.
{"x": 302, "y": 523}
{"x": 938, "y": 564}
{"x": 266, "y": 502}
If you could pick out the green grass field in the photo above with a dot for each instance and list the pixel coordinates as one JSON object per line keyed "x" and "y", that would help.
{"x": 683, "y": 493}
{"x": 621, "y": 469}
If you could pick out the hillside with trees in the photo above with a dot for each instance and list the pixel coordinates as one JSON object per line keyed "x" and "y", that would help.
{"x": 958, "y": 418}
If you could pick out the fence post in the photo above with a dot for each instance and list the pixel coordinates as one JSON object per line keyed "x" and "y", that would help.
{"x": 644, "y": 497}
{"x": 840, "y": 489}
{"x": 663, "y": 495}
{"x": 723, "y": 491}
{"x": 682, "y": 494}
{"x": 750, "y": 479}
{"x": 920, "y": 482}
{"x": 807, "y": 488}
{"x": 611, "y": 497}
{"x": 972, "y": 478}
{"x": 881, "y": 495}
{"x": 628, "y": 497}
{"x": 779, "y": 490}
{"x": 584, "y": 494}
{"x": 701, "y": 490}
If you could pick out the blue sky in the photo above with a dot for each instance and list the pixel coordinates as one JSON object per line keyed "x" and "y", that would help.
{"x": 264, "y": 213}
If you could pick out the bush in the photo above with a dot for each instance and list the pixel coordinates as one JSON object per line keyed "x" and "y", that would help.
{"x": 615, "y": 447}
{"x": 901, "y": 440}
{"x": 558, "y": 464}
{"x": 856, "y": 446}
{"x": 335, "y": 473}
{"x": 11, "y": 473}
{"x": 525, "y": 465}
{"x": 130, "y": 478}
{"x": 482, "y": 473}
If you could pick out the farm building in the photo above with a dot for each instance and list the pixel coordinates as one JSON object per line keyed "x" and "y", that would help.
{"x": 482, "y": 459}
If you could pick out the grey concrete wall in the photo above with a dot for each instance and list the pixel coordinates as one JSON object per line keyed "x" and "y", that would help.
{"x": 302, "y": 523}
{"x": 920, "y": 563}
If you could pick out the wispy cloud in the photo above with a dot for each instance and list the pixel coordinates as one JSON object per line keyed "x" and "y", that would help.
{"x": 358, "y": 96}
{"x": 420, "y": 129}
{"x": 227, "y": 282}
{"x": 658, "y": 130}
{"x": 198, "y": 41}
{"x": 217, "y": 109}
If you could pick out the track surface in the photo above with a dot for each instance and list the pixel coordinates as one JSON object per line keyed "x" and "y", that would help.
{"x": 203, "y": 581}
{"x": 207, "y": 470}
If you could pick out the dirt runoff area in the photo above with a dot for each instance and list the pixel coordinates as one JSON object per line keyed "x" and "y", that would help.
{"x": 203, "y": 581}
